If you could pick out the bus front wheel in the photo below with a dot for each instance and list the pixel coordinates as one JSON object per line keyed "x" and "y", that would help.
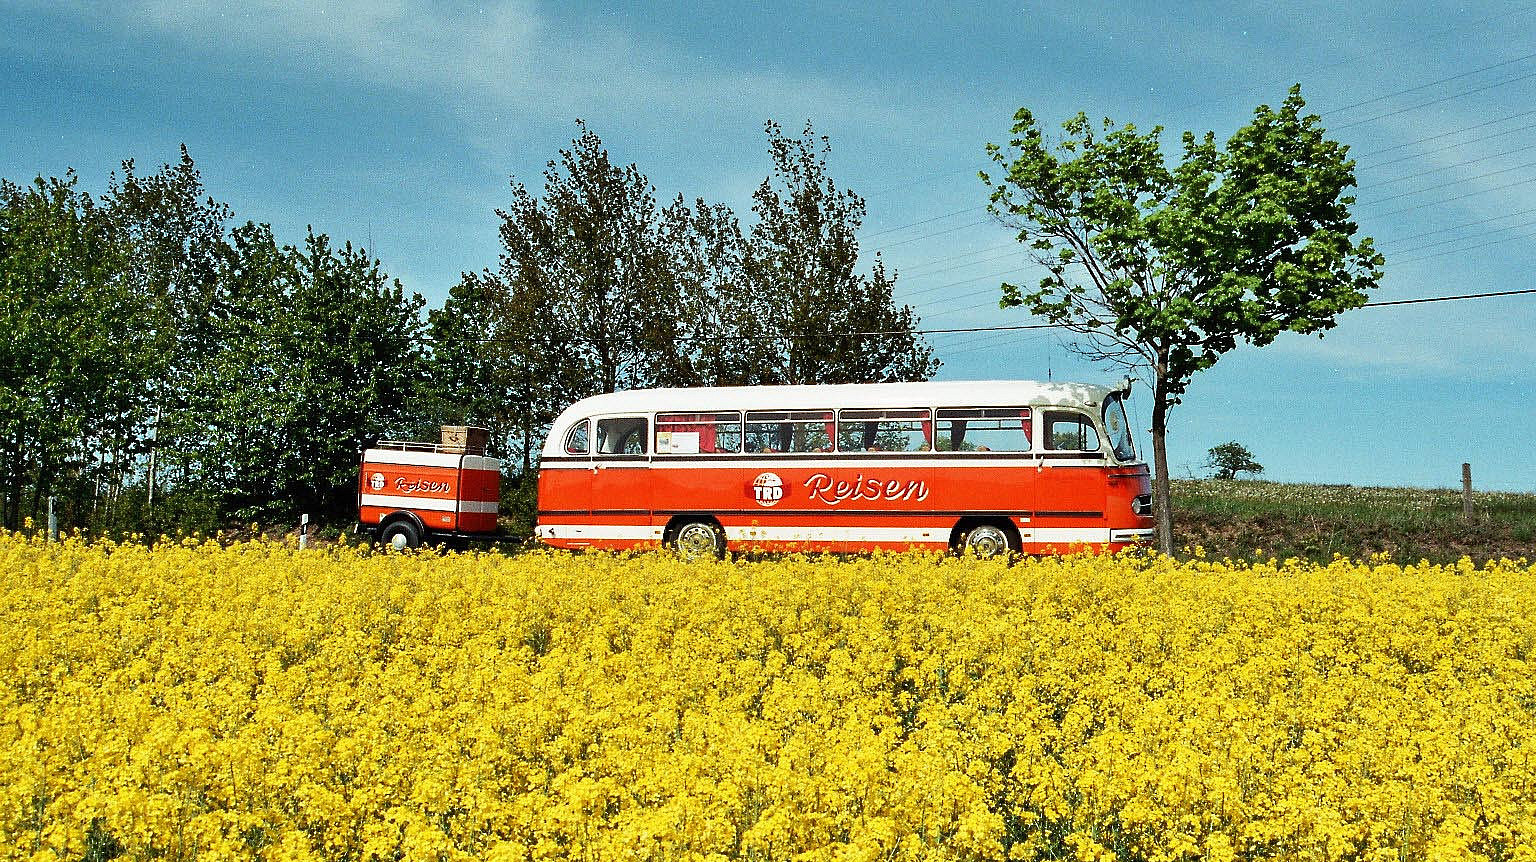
{"x": 699, "y": 540}
{"x": 988, "y": 540}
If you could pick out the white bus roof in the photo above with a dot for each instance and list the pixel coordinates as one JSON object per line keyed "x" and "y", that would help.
{"x": 945, "y": 393}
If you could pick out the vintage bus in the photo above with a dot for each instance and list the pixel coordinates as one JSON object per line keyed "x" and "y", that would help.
{"x": 985, "y": 467}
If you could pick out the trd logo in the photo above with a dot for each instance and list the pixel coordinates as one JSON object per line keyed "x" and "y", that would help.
{"x": 767, "y": 489}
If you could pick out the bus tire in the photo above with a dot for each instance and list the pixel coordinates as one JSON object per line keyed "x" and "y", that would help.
{"x": 988, "y": 539}
{"x": 401, "y": 534}
{"x": 699, "y": 539}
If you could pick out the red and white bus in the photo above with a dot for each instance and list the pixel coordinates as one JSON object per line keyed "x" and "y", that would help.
{"x": 988, "y": 467}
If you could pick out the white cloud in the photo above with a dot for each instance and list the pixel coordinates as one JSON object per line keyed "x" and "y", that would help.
{"x": 495, "y": 61}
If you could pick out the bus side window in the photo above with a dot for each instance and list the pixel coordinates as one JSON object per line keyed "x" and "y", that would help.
{"x": 697, "y": 433}
{"x": 790, "y": 431}
{"x": 623, "y": 436}
{"x": 576, "y": 439}
{"x": 900, "y": 430}
{"x": 1072, "y": 432}
{"x": 988, "y": 429}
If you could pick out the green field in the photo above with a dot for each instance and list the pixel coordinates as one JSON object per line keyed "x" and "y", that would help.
{"x": 1246, "y": 519}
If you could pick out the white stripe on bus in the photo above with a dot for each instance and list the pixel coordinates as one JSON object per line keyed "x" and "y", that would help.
{"x": 596, "y": 532}
{"x": 1068, "y": 535}
{"x": 812, "y": 533}
{"x": 727, "y": 462}
{"x": 809, "y": 533}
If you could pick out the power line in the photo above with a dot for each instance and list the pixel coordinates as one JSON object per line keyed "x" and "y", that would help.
{"x": 1457, "y": 198}
{"x": 1011, "y": 247}
{"x": 1451, "y": 97}
{"x": 1459, "y": 239}
{"x": 1467, "y": 248}
{"x": 1456, "y": 182}
{"x": 1426, "y": 233}
{"x": 1425, "y": 299}
{"x": 963, "y": 211}
{"x": 923, "y": 222}
{"x": 1464, "y": 164}
{"x": 1456, "y": 29}
{"x": 1466, "y": 74}
{"x": 1022, "y": 327}
{"x": 891, "y": 245}
{"x": 1426, "y": 140}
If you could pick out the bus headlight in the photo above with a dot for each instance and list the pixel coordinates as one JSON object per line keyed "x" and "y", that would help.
{"x": 1142, "y": 505}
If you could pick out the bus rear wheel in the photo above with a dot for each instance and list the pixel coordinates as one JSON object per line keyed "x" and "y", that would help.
{"x": 986, "y": 541}
{"x": 699, "y": 540}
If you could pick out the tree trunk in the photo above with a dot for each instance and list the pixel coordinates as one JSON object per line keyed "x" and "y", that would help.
{"x": 10, "y": 509}
{"x": 154, "y": 444}
{"x": 528, "y": 443}
{"x": 1161, "y": 491}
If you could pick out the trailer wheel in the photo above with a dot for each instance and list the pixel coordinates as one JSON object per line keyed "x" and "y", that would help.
{"x": 989, "y": 540}
{"x": 400, "y": 535}
{"x": 699, "y": 540}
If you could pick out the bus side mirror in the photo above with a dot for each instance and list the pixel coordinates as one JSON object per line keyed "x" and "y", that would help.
{"x": 1125, "y": 386}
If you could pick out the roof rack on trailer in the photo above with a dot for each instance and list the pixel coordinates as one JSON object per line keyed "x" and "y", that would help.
{"x": 455, "y": 443}
{"x": 409, "y": 446}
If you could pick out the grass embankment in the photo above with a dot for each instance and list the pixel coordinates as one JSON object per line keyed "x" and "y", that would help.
{"x": 1248, "y": 519}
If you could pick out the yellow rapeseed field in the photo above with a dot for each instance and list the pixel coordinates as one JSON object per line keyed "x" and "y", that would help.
{"x": 256, "y": 702}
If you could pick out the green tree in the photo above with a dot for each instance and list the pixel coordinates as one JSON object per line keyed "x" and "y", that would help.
{"x": 598, "y": 289}
{"x": 1164, "y": 269}
{"x": 704, "y": 335}
{"x": 504, "y": 358}
{"x": 322, "y": 354}
{"x": 805, "y": 312}
{"x": 174, "y": 237}
{"x": 1229, "y": 459}
{"x": 590, "y": 251}
{"x": 73, "y": 365}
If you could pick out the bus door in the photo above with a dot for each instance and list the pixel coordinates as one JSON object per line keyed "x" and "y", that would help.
{"x": 565, "y": 489}
{"x": 1070, "y": 498}
{"x": 620, "y": 490}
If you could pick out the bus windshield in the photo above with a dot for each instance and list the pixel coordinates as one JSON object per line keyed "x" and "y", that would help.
{"x": 1118, "y": 429}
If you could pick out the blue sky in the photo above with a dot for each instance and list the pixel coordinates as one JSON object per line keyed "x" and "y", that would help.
{"x": 398, "y": 123}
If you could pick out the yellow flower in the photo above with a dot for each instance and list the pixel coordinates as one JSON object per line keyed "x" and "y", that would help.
{"x": 250, "y": 702}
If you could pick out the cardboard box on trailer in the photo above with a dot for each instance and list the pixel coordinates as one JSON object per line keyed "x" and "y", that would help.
{"x": 465, "y": 439}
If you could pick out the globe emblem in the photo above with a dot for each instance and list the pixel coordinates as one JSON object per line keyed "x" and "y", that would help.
{"x": 376, "y": 481}
{"x": 767, "y": 489}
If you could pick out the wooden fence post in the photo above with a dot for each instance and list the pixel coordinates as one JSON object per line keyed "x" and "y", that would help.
{"x": 1466, "y": 492}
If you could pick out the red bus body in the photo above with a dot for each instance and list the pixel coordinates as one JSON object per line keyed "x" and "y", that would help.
{"x": 681, "y": 460}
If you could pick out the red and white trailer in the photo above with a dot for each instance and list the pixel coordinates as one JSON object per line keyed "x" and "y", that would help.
{"x": 409, "y": 492}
